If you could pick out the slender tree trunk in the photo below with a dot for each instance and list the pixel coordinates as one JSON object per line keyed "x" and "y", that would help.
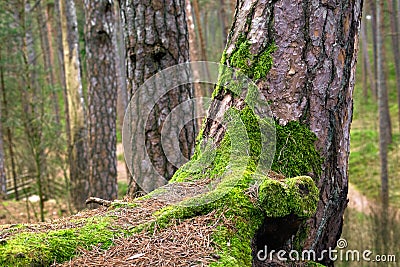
{"x": 382, "y": 108}
{"x": 203, "y": 51}
{"x": 78, "y": 129}
{"x": 372, "y": 5}
{"x": 365, "y": 56}
{"x": 163, "y": 42}
{"x": 3, "y": 178}
{"x": 31, "y": 98}
{"x": 61, "y": 65}
{"x": 194, "y": 56}
{"x": 385, "y": 72}
{"x": 224, "y": 20}
{"x": 122, "y": 100}
{"x": 311, "y": 81}
{"x": 60, "y": 56}
{"x": 102, "y": 97}
{"x": 45, "y": 42}
{"x": 394, "y": 26}
{"x": 9, "y": 135}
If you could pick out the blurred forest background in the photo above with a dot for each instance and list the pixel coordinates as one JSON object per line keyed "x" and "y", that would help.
{"x": 40, "y": 115}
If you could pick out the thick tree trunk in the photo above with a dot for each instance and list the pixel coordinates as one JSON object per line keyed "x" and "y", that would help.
{"x": 102, "y": 97}
{"x": 78, "y": 129}
{"x": 156, "y": 37}
{"x": 311, "y": 81}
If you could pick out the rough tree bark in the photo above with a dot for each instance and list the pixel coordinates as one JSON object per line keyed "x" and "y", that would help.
{"x": 311, "y": 81}
{"x": 156, "y": 37}
{"x": 77, "y": 119}
{"x": 102, "y": 97}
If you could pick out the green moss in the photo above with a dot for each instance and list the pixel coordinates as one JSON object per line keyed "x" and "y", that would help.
{"x": 296, "y": 154}
{"x": 253, "y": 66}
{"x": 314, "y": 264}
{"x": 42, "y": 249}
{"x": 298, "y": 196}
{"x": 247, "y": 66}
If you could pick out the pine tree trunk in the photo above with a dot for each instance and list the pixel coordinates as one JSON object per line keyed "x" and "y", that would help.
{"x": 223, "y": 20}
{"x": 194, "y": 56}
{"x": 365, "y": 56}
{"x": 47, "y": 53}
{"x": 311, "y": 81}
{"x": 203, "y": 51}
{"x": 3, "y": 178}
{"x": 372, "y": 6}
{"x": 382, "y": 108}
{"x": 122, "y": 99}
{"x": 163, "y": 42}
{"x": 9, "y": 136}
{"x": 394, "y": 26}
{"x": 102, "y": 97}
{"x": 78, "y": 129}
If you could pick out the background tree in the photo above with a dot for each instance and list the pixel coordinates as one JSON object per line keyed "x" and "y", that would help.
{"x": 384, "y": 118}
{"x": 3, "y": 178}
{"x": 101, "y": 61}
{"x": 156, "y": 37}
{"x": 78, "y": 160}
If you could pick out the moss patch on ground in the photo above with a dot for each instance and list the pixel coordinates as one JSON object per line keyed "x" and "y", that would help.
{"x": 44, "y": 248}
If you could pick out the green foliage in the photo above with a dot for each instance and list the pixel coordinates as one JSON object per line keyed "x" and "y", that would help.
{"x": 122, "y": 189}
{"x": 33, "y": 249}
{"x": 295, "y": 151}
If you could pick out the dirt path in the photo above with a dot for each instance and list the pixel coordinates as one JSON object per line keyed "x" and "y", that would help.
{"x": 359, "y": 202}
{"x": 121, "y": 170}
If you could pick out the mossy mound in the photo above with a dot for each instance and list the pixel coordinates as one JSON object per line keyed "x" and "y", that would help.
{"x": 232, "y": 236}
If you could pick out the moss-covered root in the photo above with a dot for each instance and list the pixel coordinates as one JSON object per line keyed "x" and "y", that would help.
{"x": 279, "y": 202}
